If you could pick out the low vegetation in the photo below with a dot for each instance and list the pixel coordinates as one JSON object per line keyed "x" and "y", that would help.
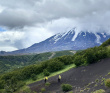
{"x": 66, "y": 87}
{"x": 107, "y": 83}
{"x": 47, "y": 84}
{"x": 106, "y": 43}
{"x": 99, "y": 91}
{"x": 88, "y": 56}
{"x": 43, "y": 89}
{"x": 26, "y": 90}
{"x": 33, "y": 76}
{"x": 12, "y": 62}
{"x": 46, "y": 72}
{"x": 31, "y": 72}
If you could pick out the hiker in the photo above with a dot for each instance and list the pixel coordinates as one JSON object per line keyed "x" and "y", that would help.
{"x": 59, "y": 78}
{"x": 45, "y": 79}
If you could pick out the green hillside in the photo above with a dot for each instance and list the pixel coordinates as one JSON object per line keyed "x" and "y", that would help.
{"x": 31, "y": 72}
{"x": 3, "y": 67}
{"x": 11, "y": 62}
{"x": 66, "y": 52}
{"x": 106, "y": 43}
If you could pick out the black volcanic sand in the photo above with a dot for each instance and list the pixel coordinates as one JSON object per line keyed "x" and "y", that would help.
{"x": 85, "y": 79}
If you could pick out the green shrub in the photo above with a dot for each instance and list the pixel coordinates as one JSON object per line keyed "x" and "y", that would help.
{"x": 33, "y": 76}
{"x": 103, "y": 79}
{"x": 99, "y": 91}
{"x": 97, "y": 80}
{"x": 66, "y": 59}
{"x": 88, "y": 56}
{"x": 55, "y": 65}
{"x": 107, "y": 82}
{"x": 79, "y": 60}
{"x": 46, "y": 73}
{"x": 43, "y": 89}
{"x": 66, "y": 87}
{"x": 47, "y": 84}
{"x": 1, "y": 84}
{"x": 44, "y": 64}
{"x": 13, "y": 85}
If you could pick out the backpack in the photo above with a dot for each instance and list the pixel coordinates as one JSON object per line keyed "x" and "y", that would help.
{"x": 59, "y": 77}
{"x": 46, "y": 78}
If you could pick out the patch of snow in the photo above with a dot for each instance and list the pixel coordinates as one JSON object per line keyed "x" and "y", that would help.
{"x": 57, "y": 37}
{"x": 74, "y": 37}
{"x": 72, "y": 32}
{"x": 80, "y": 33}
{"x": 65, "y": 37}
{"x": 68, "y": 32}
{"x": 61, "y": 35}
{"x": 98, "y": 38}
{"x": 64, "y": 34}
{"x": 104, "y": 35}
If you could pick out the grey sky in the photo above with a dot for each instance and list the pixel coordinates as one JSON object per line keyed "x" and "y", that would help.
{"x": 36, "y": 20}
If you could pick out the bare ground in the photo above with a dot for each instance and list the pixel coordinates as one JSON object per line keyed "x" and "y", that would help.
{"x": 85, "y": 79}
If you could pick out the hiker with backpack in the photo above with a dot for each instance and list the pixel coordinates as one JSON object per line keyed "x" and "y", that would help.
{"x": 45, "y": 79}
{"x": 59, "y": 78}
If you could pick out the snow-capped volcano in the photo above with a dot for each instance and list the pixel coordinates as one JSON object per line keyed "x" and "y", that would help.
{"x": 66, "y": 41}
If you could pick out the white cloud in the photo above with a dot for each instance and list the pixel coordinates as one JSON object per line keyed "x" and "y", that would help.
{"x": 20, "y": 13}
{"x": 8, "y": 48}
{"x": 10, "y": 35}
{"x": 32, "y": 21}
{"x": 14, "y": 40}
{"x": 9, "y": 39}
{"x": 1, "y": 8}
{"x": 35, "y": 35}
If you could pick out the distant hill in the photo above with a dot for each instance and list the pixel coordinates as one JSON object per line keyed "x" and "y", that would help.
{"x": 11, "y": 62}
{"x": 64, "y": 41}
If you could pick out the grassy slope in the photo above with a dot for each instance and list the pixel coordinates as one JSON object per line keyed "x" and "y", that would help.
{"x": 41, "y": 76}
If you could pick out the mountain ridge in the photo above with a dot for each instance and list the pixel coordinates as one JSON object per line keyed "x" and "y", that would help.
{"x": 65, "y": 41}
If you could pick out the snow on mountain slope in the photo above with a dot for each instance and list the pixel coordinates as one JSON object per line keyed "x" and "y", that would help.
{"x": 66, "y": 41}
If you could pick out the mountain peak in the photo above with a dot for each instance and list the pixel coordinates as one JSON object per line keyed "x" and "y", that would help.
{"x": 64, "y": 35}
{"x": 68, "y": 40}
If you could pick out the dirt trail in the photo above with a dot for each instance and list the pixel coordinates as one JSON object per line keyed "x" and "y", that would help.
{"x": 82, "y": 78}
{"x": 52, "y": 55}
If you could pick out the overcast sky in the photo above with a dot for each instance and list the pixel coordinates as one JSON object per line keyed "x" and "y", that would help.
{"x": 25, "y": 22}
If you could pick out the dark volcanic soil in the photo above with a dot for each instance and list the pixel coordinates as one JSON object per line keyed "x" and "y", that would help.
{"x": 85, "y": 79}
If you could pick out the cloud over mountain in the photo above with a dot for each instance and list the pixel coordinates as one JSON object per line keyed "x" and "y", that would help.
{"x": 53, "y": 16}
